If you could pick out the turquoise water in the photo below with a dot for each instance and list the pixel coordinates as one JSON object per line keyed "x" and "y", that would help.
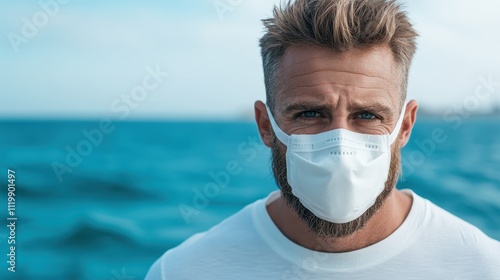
{"x": 118, "y": 200}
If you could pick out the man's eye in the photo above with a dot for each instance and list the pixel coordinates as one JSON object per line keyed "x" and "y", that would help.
{"x": 309, "y": 114}
{"x": 366, "y": 116}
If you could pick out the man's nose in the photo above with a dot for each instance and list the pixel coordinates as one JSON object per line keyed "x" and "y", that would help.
{"x": 339, "y": 121}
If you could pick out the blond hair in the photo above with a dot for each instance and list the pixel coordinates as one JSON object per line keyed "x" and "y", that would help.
{"x": 340, "y": 25}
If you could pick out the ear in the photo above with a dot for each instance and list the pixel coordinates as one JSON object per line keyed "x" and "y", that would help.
{"x": 263, "y": 123}
{"x": 409, "y": 120}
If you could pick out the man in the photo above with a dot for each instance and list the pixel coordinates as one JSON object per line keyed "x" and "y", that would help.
{"x": 336, "y": 118}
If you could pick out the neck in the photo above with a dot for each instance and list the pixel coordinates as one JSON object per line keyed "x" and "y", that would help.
{"x": 383, "y": 223}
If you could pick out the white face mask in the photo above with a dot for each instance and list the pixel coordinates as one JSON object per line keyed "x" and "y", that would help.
{"x": 337, "y": 174}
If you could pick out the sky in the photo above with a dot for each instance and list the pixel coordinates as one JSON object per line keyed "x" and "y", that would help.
{"x": 200, "y": 59}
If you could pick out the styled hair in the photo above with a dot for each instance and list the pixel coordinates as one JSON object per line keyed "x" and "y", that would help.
{"x": 340, "y": 25}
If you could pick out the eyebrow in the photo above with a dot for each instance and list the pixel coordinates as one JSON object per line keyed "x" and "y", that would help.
{"x": 305, "y": 106}
{"x": 374, "y": 107}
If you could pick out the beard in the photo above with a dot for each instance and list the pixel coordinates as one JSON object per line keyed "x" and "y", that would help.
{"x": 319, "y": 227}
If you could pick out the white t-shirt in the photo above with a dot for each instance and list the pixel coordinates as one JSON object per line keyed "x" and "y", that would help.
{"x": 430, "y": 244}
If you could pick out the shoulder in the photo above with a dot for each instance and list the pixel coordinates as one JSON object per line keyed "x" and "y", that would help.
{"x": 227, "y": 233}
{"x": 458, "y": 242}
{"x": 444, "y": 244}
{"x": 449, "y": 226}
{"x": 216, "y": 247}
{"x": 441, "y": 223}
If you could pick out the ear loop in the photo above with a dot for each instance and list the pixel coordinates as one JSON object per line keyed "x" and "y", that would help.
{"x": 283, "y": 137}
{"x": 395, "y": 132}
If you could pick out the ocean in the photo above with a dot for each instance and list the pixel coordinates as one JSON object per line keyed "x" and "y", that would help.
{"x": 104, "y": 200}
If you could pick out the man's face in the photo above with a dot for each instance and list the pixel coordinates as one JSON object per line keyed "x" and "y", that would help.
{"x": 321, "y": 90}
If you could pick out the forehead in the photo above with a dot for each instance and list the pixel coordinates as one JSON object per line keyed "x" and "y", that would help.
{"x": 309, "y": 71}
